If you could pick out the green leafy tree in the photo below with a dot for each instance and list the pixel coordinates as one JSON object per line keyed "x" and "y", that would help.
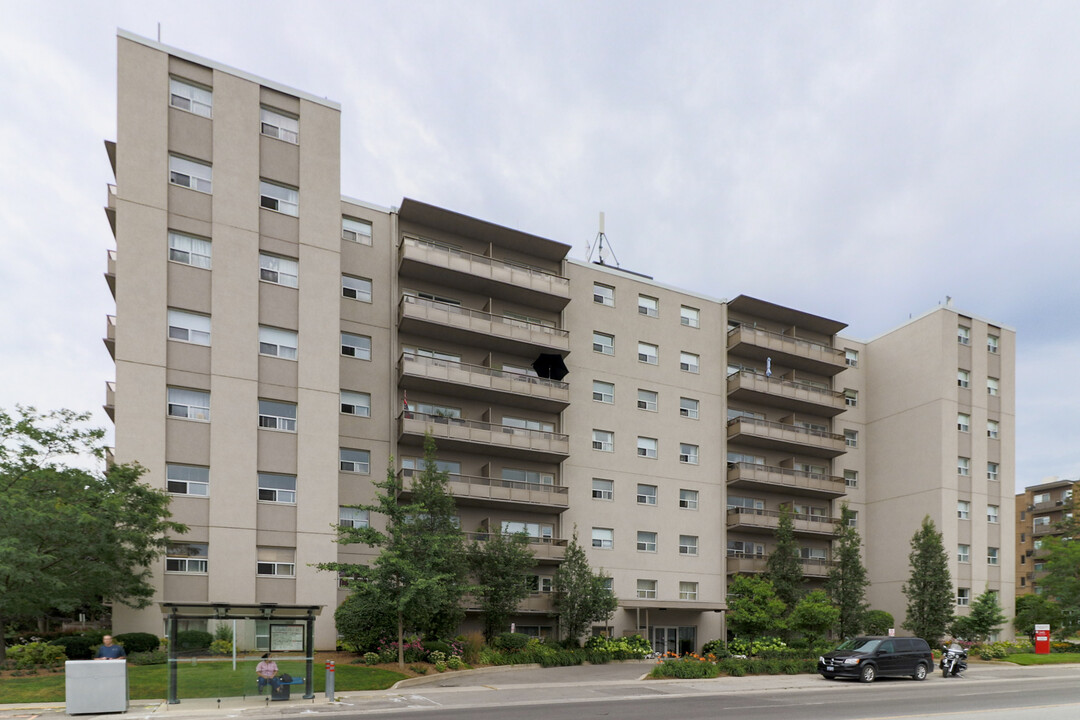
{"x": 502, "y": 566}
{"x": 813, "y": 616}
{"x": 1062, "y": 565}
{"x": 582, "y": 596}
{"x": 878, "y": 622}
{"x": 421, "y": 572}
{"x": 984, "y": 618}
{"x": 754, "y": 610}
{"x": 71, "y": 538}
{"x": 783, "y": 568}
{"x": 847, "y": 581}
{"x": 929, "y": 588}
{"x": 365, "y": 618}
{"x": 1034, "y": 609}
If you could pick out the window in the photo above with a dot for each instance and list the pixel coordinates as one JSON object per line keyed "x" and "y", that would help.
{"x": 688, "y": 545}
{"x": 1041, "y": 521}
{"x": 603, "y": 440}
{"x": 532, "y": 477}
{"x": 190, "y": 174}
{"x": 963, "y": 509}
{"x": 277, "y": 415}
{"x": 648, "y": 306}
{"x": 963, "y": 422}
{"x": 186, "y": 557}
{"x": 992, "y": 427}
{"x": 358, "y": 231}
{"x": 524, "y": 423}
{"x": 189, "y": 327}
{"x": 690, "y": 317}
{"x": 963, "y": 553}
{"x": 963, "y": 378}
{"x": 277, "y": 488}
{"x": 646, "y": 541}
{"x": 992, "y": 344}
{"x": 356, "y": 288}
{"x": 851, "y": 398}
{"x": 278, "y": 125}
{"x": 279, "y": 198}
{"x": 688, "y": 499}
{"x": 646, "y": 589}
{"x": 603, "y": 489}
{"x": 646, "y": 494}
{"x": 278, "y": 270}
{"x": 277, "y": 343}
{"x": 440, "y": 412}
{"x": 963, "y": 596}
{"x": 688, "y": 454}
{"x": 603, "y": 294}
{"x": 688, "y": 590}
{"x": 963, "y": 466}
{"x": 608, "y": 583}
{"x": 603, "y": 344}
{"x": 357, "y": 346}
{"x": 689, "y": 362}
{"x": 853, "y": 518}
{"x": 735, "y": 501}
{"x": 190, "y": 97}
{"x": 963, "y": 335}
{"x": 646, "y": 447}
{"x": 688, "y": 408}
{"x": 992, "y": 514}
{"x": 851, "y": 357}
{"x": 276, "y": 562}
{"x": 187, "y": 480}
{"x": 351, "y": 517}
{"x": 739, "y": 548}
{"x": 603, "y": 538}
{"x": 189, "y": 250}
{"x": 603, "y": 391}
{"x": 356, "y": 403}
{"x": 535, "y": 531}
{"x": 992, "y": 386}
{"x": 1040, "y": 498}
{"x": 646, "y": 400}
{"x": 851, "y": 438}
{"x": 809, "y": 553}
{"x": 851, "y": 478}
{"x": 354, "y": 461}
{"x": 189, "y": 404}
{"x": 991, "y": 556}
{"x": 647, "y": 353}
{"x": 991, "y": 471}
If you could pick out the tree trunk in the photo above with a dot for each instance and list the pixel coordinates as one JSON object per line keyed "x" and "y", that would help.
{"x": 400, "y": 640}
{"x": 3, "y": 645}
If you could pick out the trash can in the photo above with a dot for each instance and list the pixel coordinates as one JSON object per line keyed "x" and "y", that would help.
{"x": 282, "y": 689}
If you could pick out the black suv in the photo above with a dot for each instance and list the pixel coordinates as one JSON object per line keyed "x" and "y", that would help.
{"x": 868, "y": 657}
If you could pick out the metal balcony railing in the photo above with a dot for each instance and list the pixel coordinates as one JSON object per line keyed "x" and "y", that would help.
{"x": 483, "y": 261}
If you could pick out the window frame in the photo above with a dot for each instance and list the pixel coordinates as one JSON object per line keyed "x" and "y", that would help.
{"x": 648, "y": 306}
{"x": 278, "y": 568}
{"x": 357, "y": 464}
{"x": 607, "y": 494}
{"x": 199, "y": 417}
{"x": 643, "y": 450}
{"x": 992, "y": 471}
{"x": 644, "y": 543}
{"x": 272, "y": 337}
{"x": 362, "y": 354}
{"x": 645, "y": 357}
{"x": 605, "y": 445}
{"x": 963, "y": 509}
{"x": 963, "y": 378}
{"x": 357, "y": 403}
{"x": 963, "y": 422}
{"x": 689, "y": 502}
{"x": 993, "y": 429}
{"x": 689, "y": 454}
{"x": 603, "y": 348}
{"x": 194, "y": 105}
{"x": 689, "y": 316}
{"x": 288, "y": 203}
{"x": 599, "y": 541}
{"x": 606, "y": 392}
{"x": 993, "y": 343}
{"x": 275, "y": 495}
{"x": 275, "y": 269}
{"x": 188, "y": 483}
{"x": 602, "y": 298}
{"x": 199, "y": 175}
{"x": 993, "y": 514}
{"x": 851, "y": 438}
{"x": 963, "y": 335}
{"x": 852, "y": 480}
{"x": 688, "y": 590}
{"x": 963, "y": 466}
{"x": 190, "y": 251}
{"x": 646, "y": 589}
{"x": 993, "y": 386}
{"x": 851, "y": 357}
{"x": 993, "y": 556}
{"x": 362, "y": 517}
{"x": 357, "y": 232}
{"x": 357, "y": 292}
{"x": 963, "y": 597}
{"x": 172, "y": 555}
{"x": 645, "y": 403}
{"x": 689, "y": 549}
{"x": 691, "y": 413}
{"x": 963, "y": 553}
{"x": 281, "y": 422}
{"x": 197, "y": 328}
{"x": 278, "y": 120}
{"x": 689, "y": 362}
{"x": 644, "y": 497}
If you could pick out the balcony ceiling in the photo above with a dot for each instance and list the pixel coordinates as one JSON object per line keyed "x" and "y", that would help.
{"x": 746, "y": 305}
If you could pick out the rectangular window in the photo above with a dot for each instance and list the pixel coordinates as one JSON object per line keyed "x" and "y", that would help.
{"x": 646, "y": 541}
{"x": 688, "y": 408}
{"x": 739, "y": 548}
{"x": 603, "y": 441}
{"x": 278, "y": 125}
{"x": 646, "y": 589}
{"x": 646, "y": 494}
{"x": 189, "y": 404}
{"x": 648, "y": 353}
{"x": 688, "y": 545}
{"x": 963, "y": 335}
{"x": 809, "y": 553}
{"x": 735, "y": 501}
{"x": 963, "y": 553}
{"x": 963, "y": 466}
{"x": 276, "y": 562}
{"x": 525, "y": 423}
{"x": 189, "y": 327}
{"x": 851, "y": 357}
{"x": 190, "y": 174}
{"x": 358, "y": 231}
{"x": 277, "y": 488}
{"x": 603, "y": 344}
{"x": 991, "y": 556}
{"x": 357, "y": 346}
{"x": 688, "y": 499}
{"x": 688, "y": 591}
{"x": 603, "y": 294}
{"x": 1040, "y": 498}
{"x": 187, "y": 96}
{"x": 688, "y": 454}
{"x": 603, "y": 391}
{"x": 189, "y": 250}
{"x": 356, "y": 288}
{"x": 991, "y": 471}
{"x": 440, "y": 412}
{"x": 853, "y": 518}
{"x": 532, "y": 477}
{"x": 690, "y": 317}
{"x": 992, "y": 429}
{"x": 992, "y": 514}
{"x": 277, "y": 415}
{"x": 279, "y": 198}
{"x": 992, "y": 344}
{"x": 851, "y": 478}
{"x": 187, "y": 480}
{"x": 354, "y": 461}
{"x": 603, "y": 538}
{"x": 648, "y": 306}
{"x": 689, "y": 362}
{"x": 351, "y": 517}
{"x": 992, "y": 386}
{"x": 277, "y": 343}
{"x": 851, "y": 438}
{"x": 646, "y": 400}
{"x": 278, "y": 270}
{"x": 603, "y": 489}
{"x": 183, "y": 557}
{"x": 963, "y": 378}
{"x": 1040, "y": 521}
{"x": 963, "y": 596}
{"x": 851, "y": 398}
{"x": 963, "y": 509}
{"x": 356, "y": 403}
{"x": 963, "y": 422}
{"x": 646, "y": 447}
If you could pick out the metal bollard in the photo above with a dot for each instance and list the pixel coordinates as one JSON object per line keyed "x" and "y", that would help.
{"x": 330, "y": 680}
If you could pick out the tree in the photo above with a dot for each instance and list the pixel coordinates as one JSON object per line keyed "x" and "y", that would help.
{"x": 878, "y": 622}
{"x": 929, "y": 589}
{"x": 71, "y": 538}
{"x": 984, "y": 618}
{"x": 421, "y": 571}
{"x": 783, "y": 568}
{"x": 754, "y": 610}
{"x": 813, "y": 616}
{"x": 1062, "y": 565}
{"x": 1035, "y": 609}
{"x": 501, "y": 566}
{"x": 582, "y": 596}
{"x": 847, "y": 581}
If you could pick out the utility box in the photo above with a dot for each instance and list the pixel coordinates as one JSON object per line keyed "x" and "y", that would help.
{"x": 96, "y": 686}
{"x": 1042, "y": 639}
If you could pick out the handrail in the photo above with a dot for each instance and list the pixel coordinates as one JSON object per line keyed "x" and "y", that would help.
{"x": 414, "y": 241}
{"x": 784, "y": 471}
{"x": 785, "y": 426}
{"x": 788, "y": 339}
{"x": 481, "y": 370}
{"x": 761, "y": 377}
{"x": 777, "y": 513}
{"x": 494, "y": 482}
{"x": 479, "y": 314}
{"x": 556, "y": 542}
{"x": 742, "y": 555}
{"x": 479, "y": 425}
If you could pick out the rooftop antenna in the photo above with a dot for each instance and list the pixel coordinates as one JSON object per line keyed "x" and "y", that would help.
{"x": 159, "y": 32}
{"x": 598, "y": 245}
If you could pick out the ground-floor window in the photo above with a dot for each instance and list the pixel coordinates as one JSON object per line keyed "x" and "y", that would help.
{"x": 674, "y": 639}
{"x": 537, "y": 631}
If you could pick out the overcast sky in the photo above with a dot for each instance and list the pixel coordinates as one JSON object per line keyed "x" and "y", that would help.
{"x": 856, "y": 160}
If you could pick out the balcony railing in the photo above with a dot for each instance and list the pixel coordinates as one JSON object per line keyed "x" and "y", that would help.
{"x": 543, "y": 548}
{"x": 110, "y": 399}
{"x": 477, "y": 321}
{"x": 798, "y": 351}
{"x": 1040, "y": 530}
{"x": 485, "y": 378}
{"x": 498, "y": 490}
{"x": 755, "y": 431}
{"x": 750, "y": 564}
{"x": 506, "y": 437}
{"x": 769, "y": 520}
{"x": 785, "y": 393}
{"x": 789, "y": 478}
{"x": 505, "y": 271}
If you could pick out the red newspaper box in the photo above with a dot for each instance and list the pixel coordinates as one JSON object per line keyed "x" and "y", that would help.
{"x": 1042, "y": 639}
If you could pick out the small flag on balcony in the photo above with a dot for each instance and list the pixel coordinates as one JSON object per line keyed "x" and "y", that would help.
{"x": 768, "y": 367}
{"x": 405, "y": 399}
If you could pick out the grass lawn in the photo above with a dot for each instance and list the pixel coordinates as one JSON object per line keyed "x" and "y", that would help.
{"x": 1051, "y": 659}
{"x": 202, "y": 680}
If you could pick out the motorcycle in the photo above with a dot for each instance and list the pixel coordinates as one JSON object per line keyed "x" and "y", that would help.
{"x": 953, "y": 661}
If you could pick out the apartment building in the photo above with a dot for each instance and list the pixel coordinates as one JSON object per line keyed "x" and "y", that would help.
{"x": 1038, "y": 510}
{"x": 278, "y": 345}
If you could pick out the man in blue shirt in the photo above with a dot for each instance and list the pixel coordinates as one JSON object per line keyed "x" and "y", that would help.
{"x": 110, "y": 651}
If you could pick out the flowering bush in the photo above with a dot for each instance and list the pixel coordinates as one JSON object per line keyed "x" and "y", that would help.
{"x": 634, "y": 647}
{"x": 771, "y": 646}
{"x": 436, "y": 657}
{"x": 36, "y": 655}
{"x": 388, "y": 650}
{"x": 454, "y": 662}
{"x": 371, "y": 658}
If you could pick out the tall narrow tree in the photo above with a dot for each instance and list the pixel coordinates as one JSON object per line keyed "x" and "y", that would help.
{"x": 783, "y": 567}
{"x": 502, "y": 567}
{"x": 929, "y": 589}
{"x": 581, "y": 595}
{"x": 847, "y": 581}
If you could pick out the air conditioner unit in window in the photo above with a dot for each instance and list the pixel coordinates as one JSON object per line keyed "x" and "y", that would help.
{"x": 1059, "y": 503}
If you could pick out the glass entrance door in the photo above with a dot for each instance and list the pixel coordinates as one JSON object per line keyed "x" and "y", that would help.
{"x": 665, "y": 639}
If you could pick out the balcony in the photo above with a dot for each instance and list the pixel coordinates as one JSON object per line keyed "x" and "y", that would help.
{"x": 756, "y": 564}
{"x": 110, "y": 271}
{"x": 546, "y": 551}
{"x": 1044, "y": 530}
{"x": 481, "y": 274}
{"x": 787, "y": 350}
{"x": 483, "y": 383}
{"x": 474, "y": 327}
{"x": 752, "y": 476}
{"x": 788, "y": 438}
{"x": 538, "y": 602}
{"x": 483, "y": 437}
{"x": 110, "y": 335}
{"x": 776, "y": 392}
{"x": 110, "y": 400}
{"x": 110, "y": 207}
{"x": 753, "y": 520}
{"x": 476, "y": 491}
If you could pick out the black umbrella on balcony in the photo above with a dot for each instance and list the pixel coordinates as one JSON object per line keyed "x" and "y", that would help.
{"x": 550, "y": 365}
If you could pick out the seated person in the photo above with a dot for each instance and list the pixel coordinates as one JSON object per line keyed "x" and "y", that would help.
{"x": 267, "y": 673}
{"x": 109, "y": 650}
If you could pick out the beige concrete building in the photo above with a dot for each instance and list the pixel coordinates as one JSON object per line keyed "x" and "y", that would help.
{"x": 276, "y": 344}
{"x": 1038, "y": 510}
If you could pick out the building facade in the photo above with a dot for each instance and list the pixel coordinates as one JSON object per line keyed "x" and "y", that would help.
{"x": 1038, "y": 511}
{"x": 278, "y": 346}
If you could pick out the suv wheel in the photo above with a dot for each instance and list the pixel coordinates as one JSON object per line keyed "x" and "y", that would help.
{"x": 868, "y": 674}
{"x": 920, "y": 672}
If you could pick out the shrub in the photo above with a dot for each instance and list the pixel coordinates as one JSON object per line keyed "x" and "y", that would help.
{"x": 441, "y": 666}
{"x": 138, "y": 642}
{"x": 419, "y": 669}
{"x": 472, "y": 644}
{"x": 223, "y": 632}
{"x": 686, "y": 668}
{"x": 510, "y": 641}
{"x": 434, "y": 646}
{"x": 154, "y": 657}
{"x": 77, "y": 647}
{"x": 454, "y": 662}
{"x": 791, "y": 667}
{"x": 193, "y": 640}
{"x": 735, "y": 667}
{"x": 716, "y": 647}
{"x": 371, "y": 658}
{"x": 221, "y": 647}
{"x": 436, "y": 657}
{"x": 414, "y": 650}
{"x": 30, "y": 656}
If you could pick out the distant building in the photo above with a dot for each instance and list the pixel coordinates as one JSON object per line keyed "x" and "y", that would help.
{"x": 1038, "y": 511}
